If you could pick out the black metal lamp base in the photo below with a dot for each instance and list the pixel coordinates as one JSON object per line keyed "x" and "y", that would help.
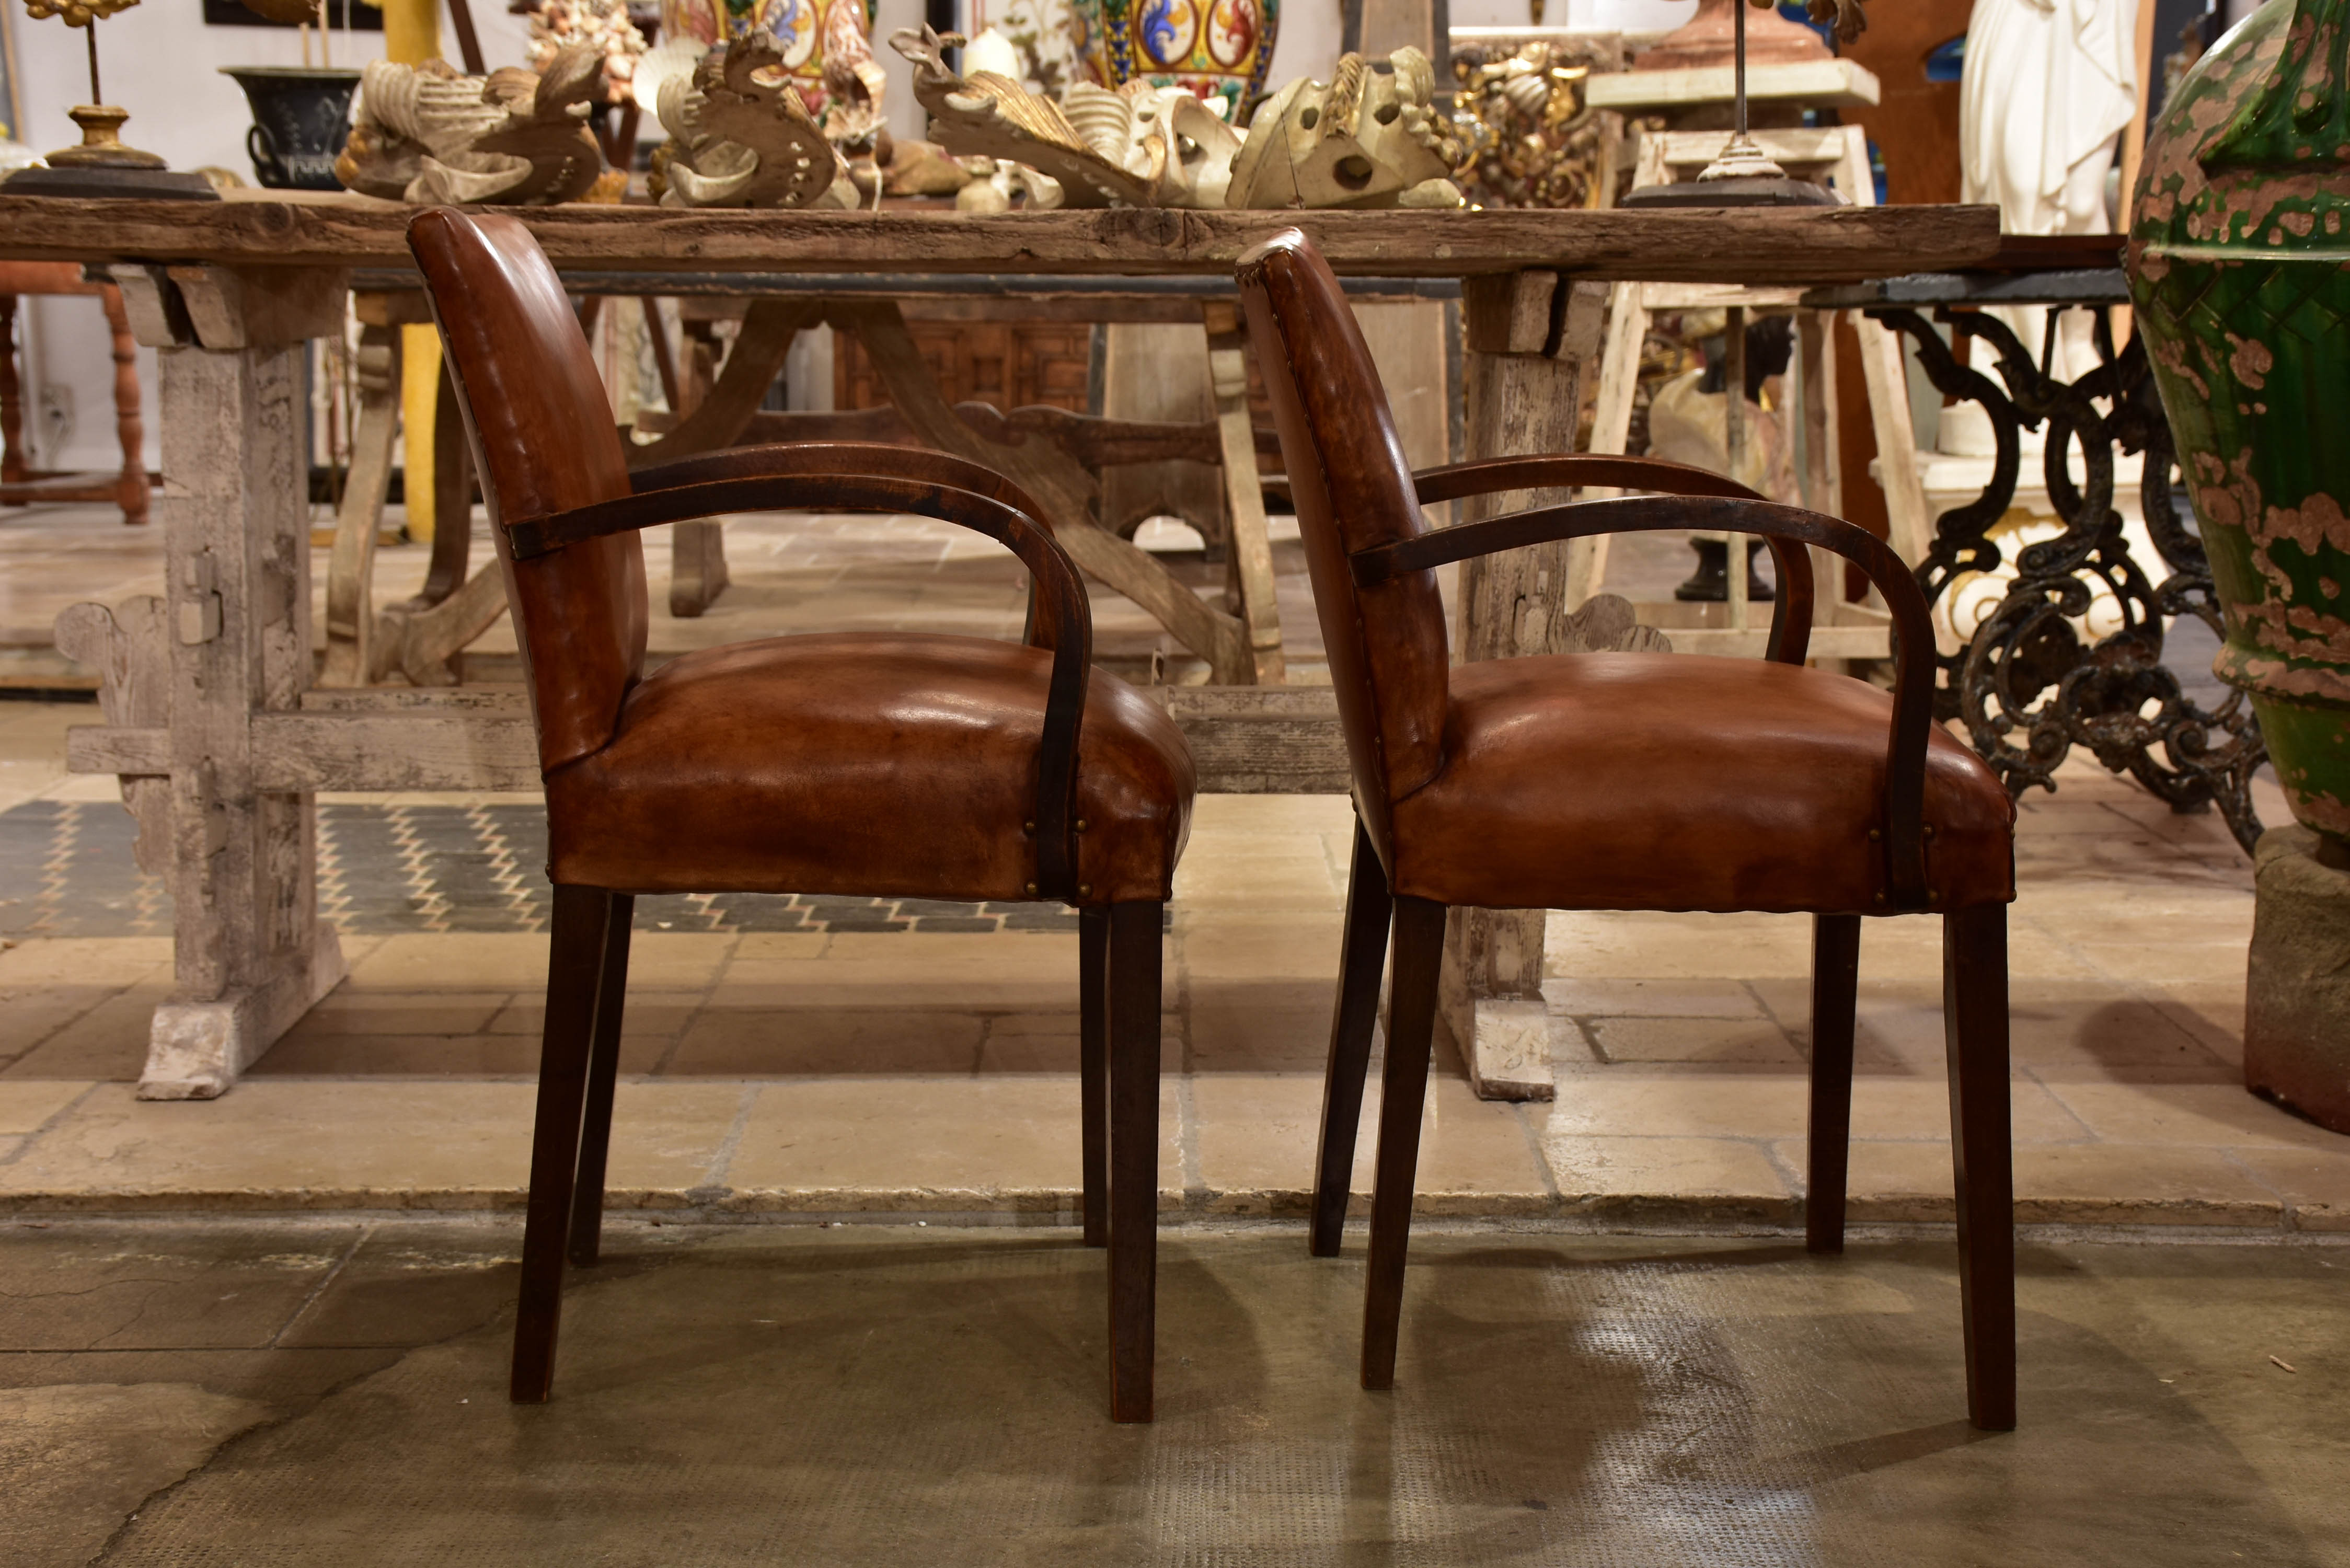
{"x": 101, "y": 181}
{"x": 1710, "y": 584}
{"x": 1773, "y": 190}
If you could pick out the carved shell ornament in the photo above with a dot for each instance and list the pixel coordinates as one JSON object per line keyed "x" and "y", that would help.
{"x": 854, "y": 81}
{"x": 1366, "y": 138}
{"x": 987, "y": 114}
{"x": 1370, "y": 137}
{"x": 741, "y": 137}
{"x": 429, "y": 134}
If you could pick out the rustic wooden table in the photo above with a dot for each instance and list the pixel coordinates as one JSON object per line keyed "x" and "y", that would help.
{"x": 215, "y": 725}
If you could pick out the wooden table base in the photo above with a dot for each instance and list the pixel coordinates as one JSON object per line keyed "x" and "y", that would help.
{"x": 221, "y": 766}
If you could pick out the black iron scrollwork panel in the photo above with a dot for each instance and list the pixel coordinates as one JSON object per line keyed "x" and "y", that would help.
{"x": 2027, "y": 685}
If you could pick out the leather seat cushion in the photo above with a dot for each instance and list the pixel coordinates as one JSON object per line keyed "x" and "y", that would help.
{"x": 1669, "y": 781}
{"x": 873, "y": 764}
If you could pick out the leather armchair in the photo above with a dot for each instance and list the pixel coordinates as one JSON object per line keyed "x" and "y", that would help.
{"x": 880, "y": 764}
{"x": 1623, "y": 781}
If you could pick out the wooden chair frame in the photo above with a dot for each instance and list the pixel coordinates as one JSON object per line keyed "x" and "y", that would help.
{"x": 1120, "y": 956}
{"x": 1974, "y": 938}
{"x": 24, "y": 485}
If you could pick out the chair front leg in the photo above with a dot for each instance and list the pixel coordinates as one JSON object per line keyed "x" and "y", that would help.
{"x": 1403, "y": 1096}
{"x": 603, "y": 1070}
{"x": 1093, "y": 1068}
{"x": 1975, "y": 1025}
{"x": 574, "y": 963}
{"x": 1835, "y": 982}
{"x": 1363, "y": 954}
{"x": 1135, "y": 941}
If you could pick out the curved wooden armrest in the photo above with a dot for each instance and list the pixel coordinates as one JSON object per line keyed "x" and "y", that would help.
{"x": 780, "y": 460}
{"x": 1575, "y": 470}
{"x": 1913, "y": 635}
{"x": 1791, "y": 610}
{"x": 810, "y": 478}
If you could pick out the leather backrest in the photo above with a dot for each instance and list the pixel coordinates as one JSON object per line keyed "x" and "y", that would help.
{"x": 1352, "y": 488}
{"x": 543, "y": 441}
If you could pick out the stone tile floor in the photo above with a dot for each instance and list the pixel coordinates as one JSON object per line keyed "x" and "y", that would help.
{"x": 290, "y": 1392}
{"x": 824, "y": 1068}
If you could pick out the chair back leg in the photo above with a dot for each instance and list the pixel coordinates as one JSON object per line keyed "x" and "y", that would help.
{"x": 1835, "y": 983}
{"x": 1135, "y": 939}
{"x": 1363, "y": 954}
{"x": 1092, "y": 1067}
{"x": 573, "y": 973}
{"x": 1974, "y": 1014}
{"x": 1403, "y": 1096}
{"x": 603, "y": 1070}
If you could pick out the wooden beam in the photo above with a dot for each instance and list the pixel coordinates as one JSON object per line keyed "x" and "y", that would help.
{"x": 1760, "y": 245}
{"x": 1245, "y": 740}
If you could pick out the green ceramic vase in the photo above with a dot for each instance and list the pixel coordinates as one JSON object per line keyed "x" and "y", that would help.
{"x": 2241, "y": 270}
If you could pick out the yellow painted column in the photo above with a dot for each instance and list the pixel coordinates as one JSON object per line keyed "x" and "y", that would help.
{"x": 412, "y": 34}
{"x": 419, "y": 404}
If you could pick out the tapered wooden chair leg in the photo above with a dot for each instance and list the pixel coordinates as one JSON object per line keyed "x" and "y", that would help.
{"x": 1835, "y": 983}
{"x": 1974, "y": 1012}
{"x": 1092, "y": 1067}
{"x": 1134, "y": 980}
{"x": 1363, "y": 954}
{"x": 1403, "y": 1096}
{"x": 573, "y": 965}
{"x": 603, "y": 1070}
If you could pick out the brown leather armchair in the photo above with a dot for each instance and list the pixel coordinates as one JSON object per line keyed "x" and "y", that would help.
{"x": 1623, "y": 781}
{"x": 877, "y": 764}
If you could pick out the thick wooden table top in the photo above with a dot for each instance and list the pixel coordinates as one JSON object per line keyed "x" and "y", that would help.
{"x": 1741, "y": 245}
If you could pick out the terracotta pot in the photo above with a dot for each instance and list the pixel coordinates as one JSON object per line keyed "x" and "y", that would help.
{"x": 301, "y": 117}
{"x": 2241, "y": 270}
{"x": 1709, "y": 40}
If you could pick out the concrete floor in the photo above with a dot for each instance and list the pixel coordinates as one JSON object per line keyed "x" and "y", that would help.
{"x": 215, "y": 1384}
{"x": 333, "y": 1392}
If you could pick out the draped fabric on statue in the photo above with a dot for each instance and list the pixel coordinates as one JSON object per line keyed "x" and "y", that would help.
{"x": 2047, "y": 88}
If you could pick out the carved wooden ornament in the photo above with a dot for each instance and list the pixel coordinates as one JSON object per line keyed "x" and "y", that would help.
{"x": 740, "y": 136}
{"x": 429, "y": 134}
{"x": 991, "y": 115}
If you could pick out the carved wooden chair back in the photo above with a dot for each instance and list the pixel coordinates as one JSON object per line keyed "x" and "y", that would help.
{"x": 1621, "y": 780}
{"x": 1352, "y": 490}
{"x": 543, "y": 441}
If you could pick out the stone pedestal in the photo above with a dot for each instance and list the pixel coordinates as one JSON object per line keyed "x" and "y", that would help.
{"x": 2297, "y": 1003}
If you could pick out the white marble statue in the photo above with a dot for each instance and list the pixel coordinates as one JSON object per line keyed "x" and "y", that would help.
{"x": 2047, "y": 88}
{"x": 2049, "y": 85}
